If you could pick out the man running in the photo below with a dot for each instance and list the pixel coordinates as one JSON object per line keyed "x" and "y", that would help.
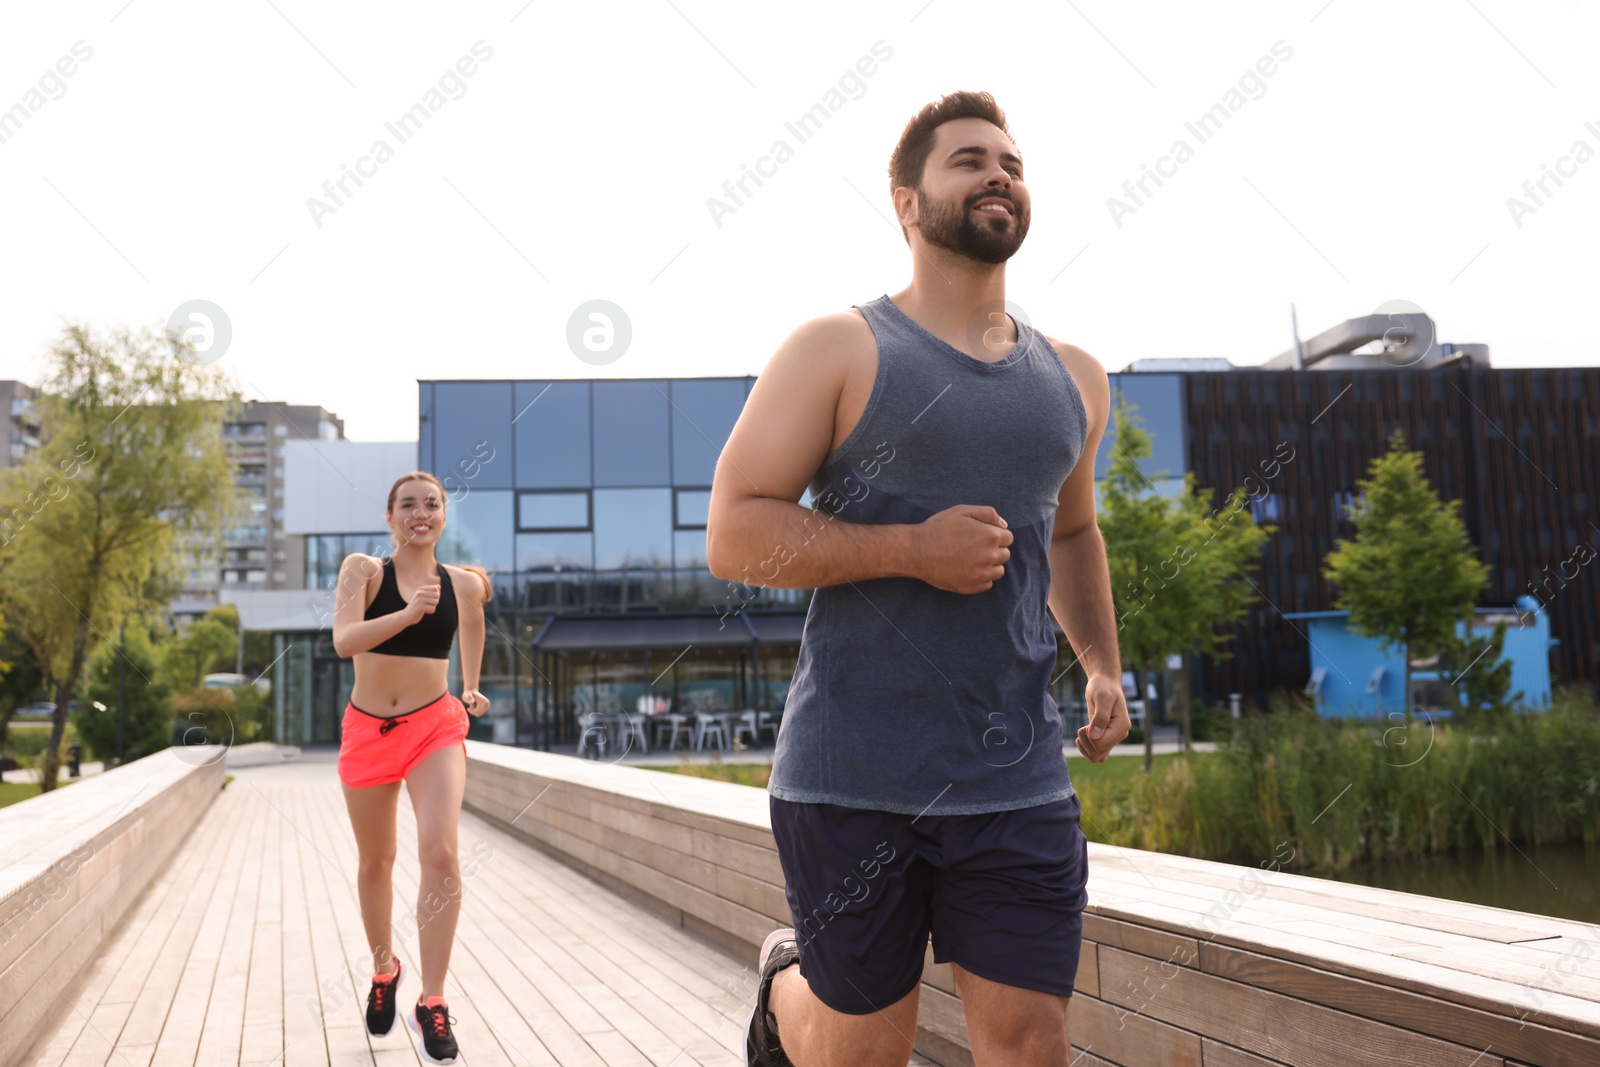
{"x": 920, "y": 785}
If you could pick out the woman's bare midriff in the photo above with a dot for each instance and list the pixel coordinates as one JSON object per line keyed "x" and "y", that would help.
{"x": 395, "y": 685}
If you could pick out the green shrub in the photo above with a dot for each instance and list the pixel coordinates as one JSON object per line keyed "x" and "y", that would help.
{"x": 1207, "y": 723}
{"x": 148, "y": 725}
{"x": 205, "y": 716}
{"x": 254, "y": 715}
{"x": 1343, "y": 792}
{"x": 27, "y": 742}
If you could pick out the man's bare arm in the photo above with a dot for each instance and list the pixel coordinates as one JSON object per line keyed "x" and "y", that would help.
{"x": 759, "y": 535}
{"x": 1080, "y": 580}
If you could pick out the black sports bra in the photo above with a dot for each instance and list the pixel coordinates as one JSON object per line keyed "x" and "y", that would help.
{"x": 432, "y": 635}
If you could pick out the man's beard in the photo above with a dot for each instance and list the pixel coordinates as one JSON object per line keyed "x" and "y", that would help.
{"x": 968, "y": 233}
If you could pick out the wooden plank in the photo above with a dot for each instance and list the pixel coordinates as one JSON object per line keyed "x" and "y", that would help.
{"x": 94, "y": 1009}
{"x": 628, "y": 1004}
{"x": 1401, "y": 1008}
{"x": 1088, "y": 979}
{"x": 1433, "y": 913}
{"x": 1106, "y": 1029}
{"x": 304, "y": 1032}
{"x": 222, "y": 1033}
{"x": 153, "y": 921}
{"x": 1267, "y": 1023}
{"x": 1132, "y": 937}
{"x": 633, "y": 953}
{"x": 261, "y": 1039}
{"x": 190, "y": 997}
{"x": 1216, "y": 1054}
{"x": 1176, "y": 912}
{"x": 940, "y": 1014}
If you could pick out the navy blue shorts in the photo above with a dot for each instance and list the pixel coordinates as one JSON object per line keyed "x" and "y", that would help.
{"x": 1002, "y": 894}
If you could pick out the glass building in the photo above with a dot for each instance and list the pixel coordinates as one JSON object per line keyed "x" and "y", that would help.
{"x": 586, "y": 500}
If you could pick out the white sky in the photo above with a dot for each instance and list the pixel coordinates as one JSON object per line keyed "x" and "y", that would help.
{"x": 1377, "y": 165}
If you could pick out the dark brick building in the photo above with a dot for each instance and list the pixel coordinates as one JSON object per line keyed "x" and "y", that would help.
{"x": 1516, "y": 447}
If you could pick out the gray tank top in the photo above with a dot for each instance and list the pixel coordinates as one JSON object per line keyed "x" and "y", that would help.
{"x": 905, "y": 697}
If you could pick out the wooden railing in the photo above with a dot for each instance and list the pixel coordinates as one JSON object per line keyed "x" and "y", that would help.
{"x": 1185, "y": 963}
{"x": 73, "y": 861}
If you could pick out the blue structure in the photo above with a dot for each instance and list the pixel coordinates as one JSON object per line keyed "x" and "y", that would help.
{"x": 1352, "y": 677}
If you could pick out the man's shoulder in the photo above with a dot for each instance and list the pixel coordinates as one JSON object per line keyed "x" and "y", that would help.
{"x": 841, "y": 332}
{"x": 826, "y": 351}
{"x": 1089, "y": 374}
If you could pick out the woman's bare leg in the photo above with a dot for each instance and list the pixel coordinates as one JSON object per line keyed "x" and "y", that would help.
{"x": 436, "y": 786}
{"x": 372, "y": 817}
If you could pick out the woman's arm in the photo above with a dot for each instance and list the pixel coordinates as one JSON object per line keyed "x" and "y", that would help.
{"x": 351, "y": 632}
{"x": 471, "y": 593}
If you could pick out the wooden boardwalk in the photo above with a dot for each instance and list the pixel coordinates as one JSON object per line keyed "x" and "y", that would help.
{"x": 248, "y": 950}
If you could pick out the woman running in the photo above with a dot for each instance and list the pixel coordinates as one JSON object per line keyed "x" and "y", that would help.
{"x": 397, "y": 617}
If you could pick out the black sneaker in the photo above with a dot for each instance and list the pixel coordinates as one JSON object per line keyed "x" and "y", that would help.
{"x": 761, "y": 1048}
{"x": 432, "y": 1024}
{"x": 381, "y": 1002}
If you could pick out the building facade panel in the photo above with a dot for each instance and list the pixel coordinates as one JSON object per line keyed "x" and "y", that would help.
{"x": 1512, "y": 445}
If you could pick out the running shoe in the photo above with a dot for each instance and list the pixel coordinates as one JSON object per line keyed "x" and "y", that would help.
{"x": 432, "y": 1022}
{"x": 761, "y": 1048}
{"x": 381, "y": 1001}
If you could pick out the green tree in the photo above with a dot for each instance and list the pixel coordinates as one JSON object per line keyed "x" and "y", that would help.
{"x": 206, "y": 716}
{"x": 135, "y": 459}
{"x": 1480, "y": 678}
{"x": 1410, "y": 575}
{"x": 20, "y": 680}
{"x": 1179, "y": 568}
{"x": 149, "y": 716}
{"x": 207, "y": 646}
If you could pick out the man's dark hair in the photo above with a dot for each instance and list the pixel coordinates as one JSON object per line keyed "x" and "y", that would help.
{"x": 911, "y": 154}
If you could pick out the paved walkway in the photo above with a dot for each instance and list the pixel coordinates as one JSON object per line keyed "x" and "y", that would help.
{"x": 249, "y": 951}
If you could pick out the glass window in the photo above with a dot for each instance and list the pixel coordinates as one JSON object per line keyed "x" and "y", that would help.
{"x": 551, "y": 428}
{"x": 314, "y": 563}
{"x": 425, "y": 425}
{"x": 551, "y": 553}
{"x": 1265, "y": 509}
{"x": 630, "y": 590}
{"x": 631, "y": 445}
{"x": 550, "y": 593}
{"x": 1158, "y": 403}
{"x": 703, "y": 414}
{"x": 472, "y": 435}
{"x": 552, "y": 511}
{"x": 694, "y": 506}
{"x": 478, "y": 529}
{"x": 632, "y": 528}
{"x": 689, "y": 549}
{"x": 280, "y": 430}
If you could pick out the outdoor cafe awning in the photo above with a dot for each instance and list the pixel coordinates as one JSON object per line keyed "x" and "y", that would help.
{"x": 609, "y": 633}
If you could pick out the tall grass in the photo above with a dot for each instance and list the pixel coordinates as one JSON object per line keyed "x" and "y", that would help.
{"x": 1339, "y": 793}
